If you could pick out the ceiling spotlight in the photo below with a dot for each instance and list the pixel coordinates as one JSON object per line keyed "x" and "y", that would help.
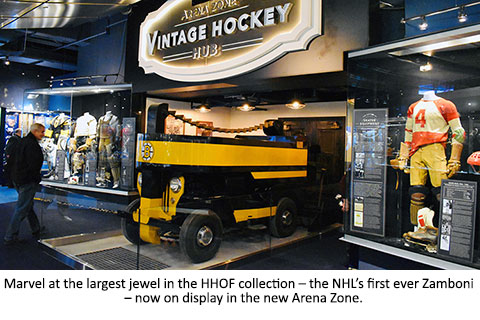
{"x": 424, "y": 25}
{"x": 74, "y": 82}
{"x": 203, "y": 108}
{"x": 7, "y": 62}
{"x": 295, "y": 105}
{"x": 462, "y": 15}
{"x": 61, "y": 83}
{"x": 105, "y": 79}
{"x": 246, "y": 107}
{"x": 89, "y": 81}
{"x": 426, "y": 67}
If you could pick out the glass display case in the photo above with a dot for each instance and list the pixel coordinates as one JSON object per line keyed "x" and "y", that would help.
{"x": 88, "y": 136}
{"x": 35, "y": 109}
{"x": 414, "y": 110}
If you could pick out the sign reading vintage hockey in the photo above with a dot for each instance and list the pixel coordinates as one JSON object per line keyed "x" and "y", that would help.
{"x": 224, "y": 38}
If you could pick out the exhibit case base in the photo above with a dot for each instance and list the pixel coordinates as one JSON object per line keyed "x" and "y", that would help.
{"x": 404, "y": 259}
{"x": 111, "y": 251}
{"x": 80, "y": 188}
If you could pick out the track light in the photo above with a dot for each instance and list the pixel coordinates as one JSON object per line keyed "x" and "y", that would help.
{"x": 423, "y": 25}
{"x": 105, "y": 79}
{"x": 246, "y": 107}
{"x": 426, "y": 67}
{"x": 89, "y": 81}
{"x": 203, "y": 108}
{"x": 74, "y": 82}
{"x": 296, "y": 105}
{"x": 462, "y": 15}
{"x": 7, "y": 62}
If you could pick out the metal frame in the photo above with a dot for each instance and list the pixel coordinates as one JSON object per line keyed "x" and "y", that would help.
{"x": 436, "y": 41}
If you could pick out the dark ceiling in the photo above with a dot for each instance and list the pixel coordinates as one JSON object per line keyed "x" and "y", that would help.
{"x": 48, "y": 33}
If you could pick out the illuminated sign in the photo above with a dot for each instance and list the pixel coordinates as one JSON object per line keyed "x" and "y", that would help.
{"x": 224, "y": 38}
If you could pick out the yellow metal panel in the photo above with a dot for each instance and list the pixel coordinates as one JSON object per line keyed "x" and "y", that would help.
{"x": 158, "y": 208}
{"x": 279, "y": 174}
{"x": 206, "y": 154}
{"x": 248, "y": 214}
{"x": 149, "y": 234}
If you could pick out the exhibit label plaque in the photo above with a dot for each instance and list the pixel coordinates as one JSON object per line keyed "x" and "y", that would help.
{"x": 367, "y": 212}
{"x": 128, "y": 153}
{"x": 60, "y": 155}
{"x": 224, "y": 38}
{"x": 457, "y": 219}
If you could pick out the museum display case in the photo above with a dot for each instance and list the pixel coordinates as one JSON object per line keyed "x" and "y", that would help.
{"x": 89, "y": 135}
{"x": 413, "y": 148}
{"x": 35, "y": 109}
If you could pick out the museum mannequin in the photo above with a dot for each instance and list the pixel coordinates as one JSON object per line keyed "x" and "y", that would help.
{"x": 55, "y": 139}
{"x": 426, "y": 133}
{"x": 430, "y": 96}
{"x": 108, "y": 133}
{"x": 59, "y": 126}
{"x": 83, "y": 137}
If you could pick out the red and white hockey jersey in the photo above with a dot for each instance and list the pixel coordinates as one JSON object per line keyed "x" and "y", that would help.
{"x": 428, "y": 122}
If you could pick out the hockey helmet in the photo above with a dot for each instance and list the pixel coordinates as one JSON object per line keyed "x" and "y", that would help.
{"x": 474, "y": 160}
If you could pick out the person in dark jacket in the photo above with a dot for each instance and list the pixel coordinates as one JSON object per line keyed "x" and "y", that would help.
{"x": 26, "y": 178}
{"x": 10, "y": 150}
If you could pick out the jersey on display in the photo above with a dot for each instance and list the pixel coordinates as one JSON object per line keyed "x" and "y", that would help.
{"x": 59, "y": 126}
{"x": 86, "y": 126}
{"x": 428, "y": 122}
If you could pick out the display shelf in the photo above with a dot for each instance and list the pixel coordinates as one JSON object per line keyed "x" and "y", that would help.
{"x": 405, "y": 254}
{"x": 87, "y": 188}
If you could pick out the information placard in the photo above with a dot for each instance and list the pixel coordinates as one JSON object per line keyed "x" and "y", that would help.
{"x": 128, "y": 154}
{"x": 60, "y": 165}
{"x": 367, "y": 211}
{"x": 457, "y": 219}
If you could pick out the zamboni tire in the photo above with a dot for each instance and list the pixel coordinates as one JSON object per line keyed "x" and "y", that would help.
{"x": 201, "y": 235}
{"x": 283, "y": 223}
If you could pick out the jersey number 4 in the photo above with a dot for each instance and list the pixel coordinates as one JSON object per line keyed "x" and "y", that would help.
{"x": 420, "y": 118}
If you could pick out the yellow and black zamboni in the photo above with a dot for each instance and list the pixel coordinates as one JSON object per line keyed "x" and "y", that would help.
{"x": 193, "y": 187}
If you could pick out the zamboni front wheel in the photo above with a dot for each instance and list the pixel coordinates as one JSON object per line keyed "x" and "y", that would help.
{"x": 201, "y": 235}
{"x": 283, "y": 223}
{"x": 129, "y": 226}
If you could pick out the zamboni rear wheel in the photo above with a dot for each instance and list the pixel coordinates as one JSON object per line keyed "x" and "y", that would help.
{"x": 283, "y": 223}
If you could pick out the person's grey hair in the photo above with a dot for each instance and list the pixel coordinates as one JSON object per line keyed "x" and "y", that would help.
{"x": 37, "y": 126}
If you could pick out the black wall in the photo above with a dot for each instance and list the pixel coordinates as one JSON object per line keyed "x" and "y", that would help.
{"x": 16, "y": 78}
